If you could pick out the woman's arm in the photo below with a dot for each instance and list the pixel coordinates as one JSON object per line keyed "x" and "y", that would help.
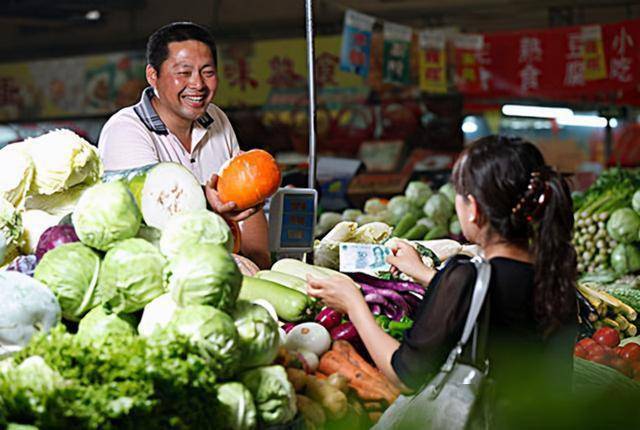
{"x": 344, "y": 296}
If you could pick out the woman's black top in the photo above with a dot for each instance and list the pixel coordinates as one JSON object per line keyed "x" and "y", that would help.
{"x": 518, "y": 353}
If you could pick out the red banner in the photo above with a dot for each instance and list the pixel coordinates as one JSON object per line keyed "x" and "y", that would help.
{"x": 591, "y": 63}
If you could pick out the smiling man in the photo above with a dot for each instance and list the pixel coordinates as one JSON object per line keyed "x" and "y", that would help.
{"x": 176, "y": 120}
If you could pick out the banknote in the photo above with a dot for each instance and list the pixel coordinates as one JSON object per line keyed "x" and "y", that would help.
{"x": 357, "y": 257}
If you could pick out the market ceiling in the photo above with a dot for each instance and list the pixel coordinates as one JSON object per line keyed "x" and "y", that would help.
{"x": 32, "y": 29}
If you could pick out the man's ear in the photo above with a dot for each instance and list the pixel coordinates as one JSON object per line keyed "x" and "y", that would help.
{"x": 152, "y": 75}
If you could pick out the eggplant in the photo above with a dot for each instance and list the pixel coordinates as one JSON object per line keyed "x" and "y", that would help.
{"x": 346, "y": 331}
{"x": 400, "y": 286}
{"x": 329, "y": 318}
{"x": 375, "y": 298}
{"x": 376, "y": 309}
{"x": 586, "y": 309}
{"x": 392, "y": 296}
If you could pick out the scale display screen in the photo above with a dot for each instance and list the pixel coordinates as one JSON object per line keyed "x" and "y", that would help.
{"x": 292, "y": 215}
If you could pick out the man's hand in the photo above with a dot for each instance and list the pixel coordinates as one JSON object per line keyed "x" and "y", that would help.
{"x": 226, "y": 210}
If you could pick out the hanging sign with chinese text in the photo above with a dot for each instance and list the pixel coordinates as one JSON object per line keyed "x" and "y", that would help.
{"x": 433, "y": 61}
{"x": 396, "y": 54}
{"x": 355, "y": 55}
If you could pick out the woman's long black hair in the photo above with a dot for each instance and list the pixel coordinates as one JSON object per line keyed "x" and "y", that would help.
{"x": 529, "y": 204}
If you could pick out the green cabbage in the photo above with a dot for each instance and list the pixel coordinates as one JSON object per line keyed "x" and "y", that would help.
{"x": 274, "y": 396}
{"x": 214, "y": 330}
{"x": 623, "y": 225}
{"x": 259, "y": 335}
{"x": 418, "y": 193}
{"x": 11, "y": 228}
{"x": 439, "y": 208}
{"x": 58, "y": 204}
{"x": 186, "y": 229}
{"x": 351, "y": 214}
{"x": 34, "y": 223}
{"x": 374, "y": 206}
{"x": 132, "y": 275}
{"x": 105, "y": 214}
{"x": 449, "y": 192}
{"x": 625, "y": 258}
{"x": 399, "y": 206}
{"x": 237, "y": 407}
{"x": 98, "y": 325}
{"x": 635, "y": 202}
{"x": 16, "y": 174}
{"x": 326, "y": 222}
{"x": 454, "y": 226}
{"x": 71, "y": 272}
{"x": 204, "y": 274}
{"x": 157, "y": 314}
{"x": 62, "y": 159}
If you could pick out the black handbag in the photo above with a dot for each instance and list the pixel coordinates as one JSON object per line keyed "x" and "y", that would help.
{"x": 457, "y": 397}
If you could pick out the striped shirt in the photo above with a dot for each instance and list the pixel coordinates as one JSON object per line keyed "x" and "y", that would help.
{"x": 136, "y": 136}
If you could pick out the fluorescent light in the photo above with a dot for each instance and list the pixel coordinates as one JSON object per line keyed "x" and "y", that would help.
{"x": 92, "y": 15}
{"x": 613, "y": 123}
{"x": 536, "y": 111}
{"x": 469, "y": 126}
{"x": 583, "y": 121}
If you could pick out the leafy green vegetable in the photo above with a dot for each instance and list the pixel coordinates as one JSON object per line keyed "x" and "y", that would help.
{"x": 98, "y": 325}
{"x": 635, "y": 202}
{"x": 625, "y": 258}
{"x": 16, "y": 174}
{"x": 204, "y": 274}
{"x": 418, "y": 192}
{"x": 438, "y": 208}
{"x": 449, "y": 191}
{"x": 105, "y": 214}
{"x": 374, "y": 206}
{"x": 157, "y": 314}
{"x": 399, "y": 206}
{"x": 129, "y": 382}
{"x": 132, "y": 275}
{"x": 186, "y": 229}
{"x": 351, "y": 214}
{"x": 11, "y": 228}
{"x": 71, "y": 272}
{"x": 237, "y": 407}
{"x": 214, "y": 331}
{"x": 273, "y": 394}
{"x": 624, "y": 225}
{"x": 58, "y": 204}
{"x": 258, "y": 332}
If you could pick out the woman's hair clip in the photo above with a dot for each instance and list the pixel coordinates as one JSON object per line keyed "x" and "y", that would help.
{"x": 535, "y": 198}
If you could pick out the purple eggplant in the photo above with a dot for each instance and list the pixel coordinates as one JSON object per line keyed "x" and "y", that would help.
{"x": 346, "y": 331}
{"x": 376, "y": 309}
{"x": 412, "y": 301}
{"x": 400, "y": 286}
{"x": 395, "y": 312}
{"x": 375, "y": 298}
{"x": 329, "y": 318}
{"x": 391, "y": 296}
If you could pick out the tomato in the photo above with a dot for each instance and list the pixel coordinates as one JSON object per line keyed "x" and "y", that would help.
{"x": 601, "y": 354}
{"x": 587, "y": 342}
{"x": 618, "y": 350}
{"x": 580, "y": 351}
{"x": 607, "y": 336}
{"x": 623, "y": 366}
{"x": 631, "y": 351}
{"x": 635, "y": 367}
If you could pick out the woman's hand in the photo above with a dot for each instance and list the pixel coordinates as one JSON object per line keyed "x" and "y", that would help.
{"x": 407, "y": 260}
{"x": 340, "y": 294}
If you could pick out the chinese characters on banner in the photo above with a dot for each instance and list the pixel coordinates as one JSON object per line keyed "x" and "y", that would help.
{"x": 355, "y": 55}
{"x": 396, "y": 54}
{"x": 471, "y": 74}
{"x": 433, "y": 61}
{"x": 596, "y": 63}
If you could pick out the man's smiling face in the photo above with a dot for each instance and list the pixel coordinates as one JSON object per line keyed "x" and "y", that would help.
{"x": 187, "y": 80}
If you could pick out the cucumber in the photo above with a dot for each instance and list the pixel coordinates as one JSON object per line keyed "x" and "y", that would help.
{"x": 405, "y": 224}
{"x": 161, "y": 190}
{"x": 438, "y": 232}
{"x": 416, "y": 232}
{"x": 288, "y": 281}
{"x": 290, "y": 305}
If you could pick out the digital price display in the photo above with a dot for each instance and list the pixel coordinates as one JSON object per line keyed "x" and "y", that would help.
{"x": 292, "y": 216}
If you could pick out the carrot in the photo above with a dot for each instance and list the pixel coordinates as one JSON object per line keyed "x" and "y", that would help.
{"x": 320, "y": 375}
{"x": 368, "y": 387}
{"x": 356, "y": 359}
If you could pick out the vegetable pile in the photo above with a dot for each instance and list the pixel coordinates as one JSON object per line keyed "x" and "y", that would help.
{"x": 605, "y": 348}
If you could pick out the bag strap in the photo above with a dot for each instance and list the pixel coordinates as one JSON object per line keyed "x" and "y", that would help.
{"x": 480, "y": 289}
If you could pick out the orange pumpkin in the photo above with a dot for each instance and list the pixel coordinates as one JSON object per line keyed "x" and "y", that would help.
{"x": 249, "y": 178}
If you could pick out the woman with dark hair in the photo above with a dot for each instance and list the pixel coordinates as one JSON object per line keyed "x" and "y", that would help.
{"x": 519, "y": 211}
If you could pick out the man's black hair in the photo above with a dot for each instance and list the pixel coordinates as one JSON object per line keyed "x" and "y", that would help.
{"x": 158, "y": 43}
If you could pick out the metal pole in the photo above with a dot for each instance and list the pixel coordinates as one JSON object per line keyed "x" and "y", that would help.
{"x": 312, "y": 92}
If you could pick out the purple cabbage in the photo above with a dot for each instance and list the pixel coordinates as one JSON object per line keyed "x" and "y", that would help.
{"x": 24, "y": 264}
{"x": 55, "y": 236}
